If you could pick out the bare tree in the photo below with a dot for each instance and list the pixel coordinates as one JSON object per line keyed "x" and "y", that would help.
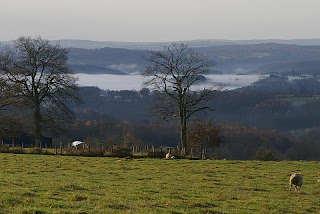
{"x": 38, "y": 75}
{"x": 171, "y": 74}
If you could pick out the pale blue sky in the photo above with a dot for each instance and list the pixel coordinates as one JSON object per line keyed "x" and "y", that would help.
{"x": 160, "y": 20}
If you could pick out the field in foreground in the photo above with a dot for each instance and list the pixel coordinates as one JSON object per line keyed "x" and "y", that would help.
{"x": 62, "y": 184}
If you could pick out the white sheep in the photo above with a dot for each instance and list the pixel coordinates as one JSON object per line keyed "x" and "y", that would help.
{"x": 168, "y": 155}
{"x": 296, "y": 180}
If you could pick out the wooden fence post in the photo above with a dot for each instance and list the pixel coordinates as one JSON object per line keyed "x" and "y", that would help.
{"x": 204, "y": 154}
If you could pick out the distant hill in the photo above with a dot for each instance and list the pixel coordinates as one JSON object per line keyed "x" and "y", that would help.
{"x": 87, "y": 44}
{"x": 114, "y": 59}
{"x": 249, "y": 58}
{"x": 260, "y": 58}
{"x": 231, "y": 56}
{"x": 291, "y": 68}
{"x": 92, "y": 69}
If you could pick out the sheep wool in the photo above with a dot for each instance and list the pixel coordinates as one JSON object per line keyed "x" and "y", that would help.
{"x": 296, "y": 180}
{"x": 168, "y": 156}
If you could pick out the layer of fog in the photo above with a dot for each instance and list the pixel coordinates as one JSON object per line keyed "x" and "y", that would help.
{"x": 134, "y": 82}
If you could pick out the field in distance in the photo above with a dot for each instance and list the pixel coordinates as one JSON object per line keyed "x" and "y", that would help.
{"x": 65, "y": 184}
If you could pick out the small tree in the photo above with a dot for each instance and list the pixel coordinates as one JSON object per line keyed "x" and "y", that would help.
{"x": 203, "y": 135}
{"x": 171, "y": 74}
{"x": 37, "y": 74}
{"x": 11, "y": 126}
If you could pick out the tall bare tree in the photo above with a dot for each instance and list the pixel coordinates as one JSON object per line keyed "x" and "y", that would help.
{"x": 171, "y": 74}
{"x": 38, "y": 75}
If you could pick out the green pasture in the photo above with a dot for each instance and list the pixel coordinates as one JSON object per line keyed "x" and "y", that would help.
{"x": 66, "y": 184}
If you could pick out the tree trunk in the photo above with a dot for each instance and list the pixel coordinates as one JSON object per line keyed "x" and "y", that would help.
{"x": 13, "y": 139}
{"x": 37, "y": 123}
{"x": 183, "y": 128}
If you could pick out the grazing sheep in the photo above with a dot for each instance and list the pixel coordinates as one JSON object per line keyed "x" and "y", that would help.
{"x": 168, "y": 155}
{"x": 296, "y": 180}
{"x": 173, "y": 157}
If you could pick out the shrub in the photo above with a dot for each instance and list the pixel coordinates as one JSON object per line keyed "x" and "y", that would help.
{"x": 16, "y": 150}
{"x": 156, "y": 154}
{"x": 264, "y": 155}
{"x": 36, "y": 150}
{"x": 121, "y": 152}
{"x": 4, "y": 148}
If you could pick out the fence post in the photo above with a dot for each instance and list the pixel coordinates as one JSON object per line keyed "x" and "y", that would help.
{"x": 83, "y": 149}
{"x": 204, "y": 152}
{"x": 56, "y": 149}
{"x": 60, "y": 148}
{"x": 46, "y": 149}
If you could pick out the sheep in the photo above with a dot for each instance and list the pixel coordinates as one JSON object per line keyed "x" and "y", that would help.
{"x": 168, "y": 155}
{"x": 173, "y": 157}
{"x": 296, "y": 180}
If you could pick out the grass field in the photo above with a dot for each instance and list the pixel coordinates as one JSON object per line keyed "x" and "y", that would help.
{"x": 64, "y": 184}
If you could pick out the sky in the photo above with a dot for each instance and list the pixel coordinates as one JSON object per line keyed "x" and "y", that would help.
{"x": 160, "y": 20}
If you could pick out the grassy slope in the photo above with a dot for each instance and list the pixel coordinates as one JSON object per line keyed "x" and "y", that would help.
{"x": 57, "y": 184}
